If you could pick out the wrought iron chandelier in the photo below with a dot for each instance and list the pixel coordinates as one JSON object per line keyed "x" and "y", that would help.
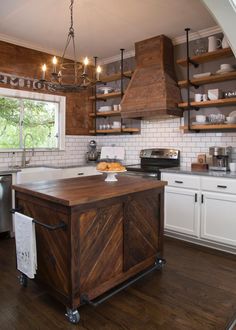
{"x": 70, "y": 76}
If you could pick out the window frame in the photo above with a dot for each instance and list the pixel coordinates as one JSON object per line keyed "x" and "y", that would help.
{"x": 61, "y": 100}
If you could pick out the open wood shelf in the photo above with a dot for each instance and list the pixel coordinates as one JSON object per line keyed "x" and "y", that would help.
{"x": 209, "y": 80}
{"x": 105, "y": 114}
{"x": 218, "y": 103}
{"x": 106, "y": 96}
{"x": 206, "y": 57}
{"x": 116, "y": 130}
{"x": 114, "y": 77}
{"x": 210, "y": 127}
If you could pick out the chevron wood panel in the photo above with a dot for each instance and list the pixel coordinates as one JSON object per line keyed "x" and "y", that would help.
{"x": 141, "y": 228}
{"x": 52, "y": 247}
{"x": 101, "y": 245}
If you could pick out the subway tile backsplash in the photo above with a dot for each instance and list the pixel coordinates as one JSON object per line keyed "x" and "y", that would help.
{"x": 154, "y": 134}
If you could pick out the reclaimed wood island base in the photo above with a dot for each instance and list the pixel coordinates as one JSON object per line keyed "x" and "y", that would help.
{"x": 113, "y": 231}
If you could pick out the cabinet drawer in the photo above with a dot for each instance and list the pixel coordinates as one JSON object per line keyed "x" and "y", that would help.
{"x": 223, "y": 185}
{"x": 182, "y": 180}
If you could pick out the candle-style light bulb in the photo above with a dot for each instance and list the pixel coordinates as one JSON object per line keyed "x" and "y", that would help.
{"x": 86, "y": 62}
{"x": 98, "y": 71}
{"x": 54, "y": 62}
{"x": 44, "y": 68}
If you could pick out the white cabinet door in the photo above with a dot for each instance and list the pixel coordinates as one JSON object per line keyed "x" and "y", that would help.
{"x": 218, "y": 218}
{"x": 182, "y": 210}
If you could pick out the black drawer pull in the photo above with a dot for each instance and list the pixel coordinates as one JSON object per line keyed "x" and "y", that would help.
{"x": 176, "y": 181}
{"x": 80, "y": 173}
{"x": 219, "y": 186}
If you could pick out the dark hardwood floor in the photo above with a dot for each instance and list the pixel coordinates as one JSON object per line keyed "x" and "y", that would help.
{"x": 195, "y": 290}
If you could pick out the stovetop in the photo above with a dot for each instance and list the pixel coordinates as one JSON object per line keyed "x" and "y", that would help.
{"x": 152, "y": 160}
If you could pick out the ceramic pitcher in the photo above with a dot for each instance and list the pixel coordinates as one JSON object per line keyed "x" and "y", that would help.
{"x": 213, "y": 43}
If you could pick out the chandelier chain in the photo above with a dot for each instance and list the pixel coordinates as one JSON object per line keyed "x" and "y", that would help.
{"x": 62, "y": 76}
{"x": 71, "y": 17}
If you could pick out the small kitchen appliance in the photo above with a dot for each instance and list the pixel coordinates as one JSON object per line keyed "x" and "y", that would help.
{"x": 152, "y": 160}
{"x": 221, "y": 157}
{"x": 93, "y": 154}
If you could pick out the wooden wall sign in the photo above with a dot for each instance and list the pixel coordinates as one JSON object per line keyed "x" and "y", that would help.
{"x": 21, "y": 82}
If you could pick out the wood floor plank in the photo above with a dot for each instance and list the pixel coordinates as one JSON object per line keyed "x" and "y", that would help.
{"x": 196, "y": 290}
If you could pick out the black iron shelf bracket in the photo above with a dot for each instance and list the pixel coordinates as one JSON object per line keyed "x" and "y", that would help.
{"x": 122, "y": 78}
{"x": 85, "y": 299}
{"x": 193, "y": 85}
{"x": 195, "y": 64}
{"x": 128, "y": 77}
{"x": 60, "y": 225}
{"x": 95, "y": 101}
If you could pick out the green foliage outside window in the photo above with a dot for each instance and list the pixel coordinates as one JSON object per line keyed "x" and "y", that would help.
{"x": 21, "y": 116}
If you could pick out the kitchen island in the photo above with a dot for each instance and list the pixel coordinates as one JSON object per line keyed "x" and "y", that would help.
{"x": 102, "y": 233}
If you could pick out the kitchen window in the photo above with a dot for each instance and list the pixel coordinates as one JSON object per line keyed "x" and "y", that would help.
{"x": 41, "y": 115}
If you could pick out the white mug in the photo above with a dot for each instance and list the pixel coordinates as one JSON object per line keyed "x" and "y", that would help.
{"x": 204, "y": 97}
{"x": 232, "y": 167}
{"x": 213, "y": 43}
{"x": 225, "y": 43}
{"x": 198, "y": 97}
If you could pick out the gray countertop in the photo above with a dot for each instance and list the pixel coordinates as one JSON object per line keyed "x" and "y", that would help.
{"x": 182, "y": 170}
{"x": 6, "y": 170}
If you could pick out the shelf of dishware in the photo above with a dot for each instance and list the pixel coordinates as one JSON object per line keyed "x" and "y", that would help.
{"x": 204, "y": 127}
{"x": 116, "y": 76}
{"x": 206, "y": 57}
{"x": 214, "y": 78}
{"x": 105, "y": 114}
{"x": 116, "y": 130}
{"x": 212, "y": 103}
{"x": 106, "y": 96}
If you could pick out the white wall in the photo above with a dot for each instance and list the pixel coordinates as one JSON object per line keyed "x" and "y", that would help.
{"x": 225, "y": 15}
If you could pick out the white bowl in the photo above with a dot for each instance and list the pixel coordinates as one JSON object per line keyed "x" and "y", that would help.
{"x": 200, "y": 118}
{"x": 105, "y": 89}
{"x": 231, "y": 120}
{"x": 105, "y": 108}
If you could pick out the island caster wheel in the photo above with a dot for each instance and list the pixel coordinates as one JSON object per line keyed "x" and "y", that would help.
{"x": 23, "y": 280}
{"x": 160, "y": 262}
{"x": 72, "y": 315}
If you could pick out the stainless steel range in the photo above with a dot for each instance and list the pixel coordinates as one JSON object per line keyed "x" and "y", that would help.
{"x": 152, "y": 160}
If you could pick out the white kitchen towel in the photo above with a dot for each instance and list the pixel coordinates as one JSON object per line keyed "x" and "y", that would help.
{"x": 113, "y": 153}
{"x": 26, "y": 253}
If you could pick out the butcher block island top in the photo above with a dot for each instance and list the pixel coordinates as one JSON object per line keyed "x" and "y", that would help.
{"x": 93, "y": 237}
{"x": 90, "y": 189}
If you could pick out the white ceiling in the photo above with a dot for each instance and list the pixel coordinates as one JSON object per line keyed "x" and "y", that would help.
{"x": 101, "y": 27}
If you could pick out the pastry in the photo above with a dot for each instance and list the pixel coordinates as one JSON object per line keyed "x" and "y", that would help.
{"x": 102, "y": 166}
{"x": 113, "y": 166}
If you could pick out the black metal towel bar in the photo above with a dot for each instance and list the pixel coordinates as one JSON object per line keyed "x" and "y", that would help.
{"x": 61, "y": 225}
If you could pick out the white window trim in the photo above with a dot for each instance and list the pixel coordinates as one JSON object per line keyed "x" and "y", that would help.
{"x": 41, "y": 97}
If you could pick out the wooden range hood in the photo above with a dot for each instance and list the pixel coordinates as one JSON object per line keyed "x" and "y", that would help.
{"x": 153, "y": 89}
